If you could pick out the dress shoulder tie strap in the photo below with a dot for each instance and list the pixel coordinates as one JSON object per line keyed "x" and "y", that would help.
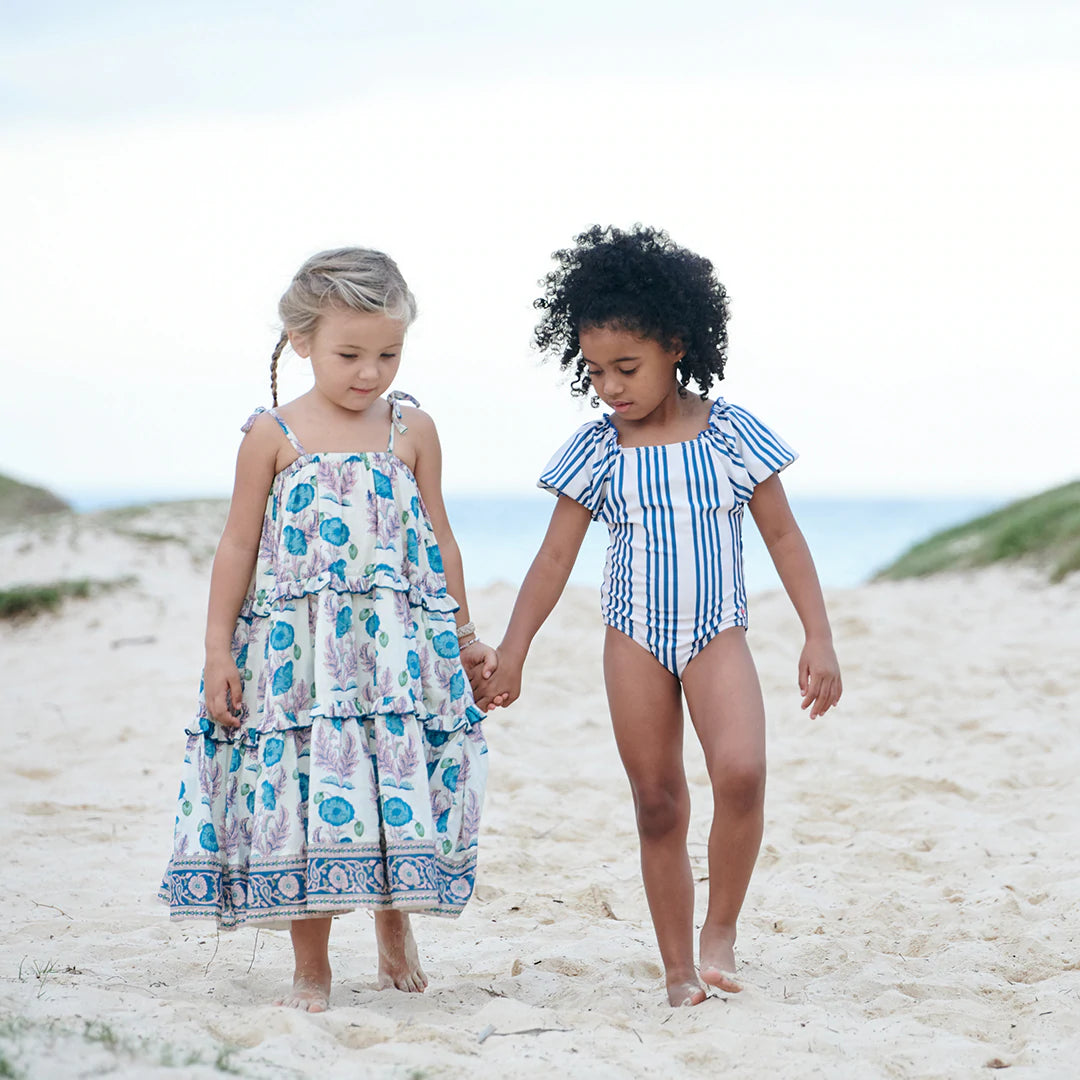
{"x": 397, "y": 423}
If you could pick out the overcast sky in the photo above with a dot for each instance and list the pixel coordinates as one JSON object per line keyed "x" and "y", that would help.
{"x": 889, "y": 196}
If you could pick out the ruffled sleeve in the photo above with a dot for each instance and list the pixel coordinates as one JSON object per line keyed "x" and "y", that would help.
{"x": 754, "y": 450}
{"x": 580, "y": 466}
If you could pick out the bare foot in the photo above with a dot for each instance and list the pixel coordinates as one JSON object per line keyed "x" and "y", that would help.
{"x": 309, "y": 994}
{"x": 399, "y": 962}
{"x": 718, "y": 959}
{"x": 684, "y": 989}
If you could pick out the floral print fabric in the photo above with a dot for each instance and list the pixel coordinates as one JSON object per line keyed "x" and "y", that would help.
{"x": 357, "y": 775}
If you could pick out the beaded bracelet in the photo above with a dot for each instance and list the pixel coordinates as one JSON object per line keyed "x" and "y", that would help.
{"x": 465, "y": 629}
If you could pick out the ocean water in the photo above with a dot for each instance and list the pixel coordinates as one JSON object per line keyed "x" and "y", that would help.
{"x": 850, "y": 539}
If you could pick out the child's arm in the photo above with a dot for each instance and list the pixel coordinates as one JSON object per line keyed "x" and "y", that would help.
{"x": 428, "y": 473}
{"x": 541, "y": 589}
{"x": 233, "y": 566}
{"x": 819, "y": 671}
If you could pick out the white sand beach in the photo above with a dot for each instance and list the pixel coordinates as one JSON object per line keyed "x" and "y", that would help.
{"x": 914, "y": 912}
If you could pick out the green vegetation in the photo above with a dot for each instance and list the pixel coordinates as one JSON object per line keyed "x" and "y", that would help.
{"x": 26, "y": 601}
{"x": 1043, "y": 530}
{"x": 20, "y": 501}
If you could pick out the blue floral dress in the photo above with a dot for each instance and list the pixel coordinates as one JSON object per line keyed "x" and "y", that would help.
{"x": 357, "y": 775}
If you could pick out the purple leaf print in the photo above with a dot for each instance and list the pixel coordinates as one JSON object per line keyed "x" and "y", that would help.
{"x": 366, "y": 657}
{"x": 296, "y": 700}
{"x": 398, "y": 759}
{"x": 470, "y": 824}
{"x": 231, "y": 840}
{"x": 383, "y": 522}
{"x": 384, "y": 687}
{"x": 341, "y": 661}
{"x": 441, "y": 801}
{"x": 181, "y": 845}
{"x": 312, "y": 616}
{"x": 403, "y": 611}
{"x": 209, "y": 779}
{"x": 337, "y": 754}
{"x": 444, "y": 672}
{"x": 338, "y": 481}
{"x": 267, "y": 539}
{"x": 425, "y": 666}
{"x": 273, "y": 832}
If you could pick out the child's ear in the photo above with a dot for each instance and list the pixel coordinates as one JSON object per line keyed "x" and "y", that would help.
{"x": 301, "y": 344}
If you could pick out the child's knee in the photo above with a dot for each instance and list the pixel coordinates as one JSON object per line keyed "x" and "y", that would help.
{"x": 740, "y": 786}
{"x": 661, "y": 810}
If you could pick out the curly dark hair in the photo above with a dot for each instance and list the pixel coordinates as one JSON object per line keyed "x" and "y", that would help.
{"x": 641, "y": 281}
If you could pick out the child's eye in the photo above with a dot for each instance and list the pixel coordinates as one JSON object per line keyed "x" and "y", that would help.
{"x": 594, "y": 374}
{"x": 623, "y": 371}
{"x": 348, "y": 355}
{"x": 389, "y": 355}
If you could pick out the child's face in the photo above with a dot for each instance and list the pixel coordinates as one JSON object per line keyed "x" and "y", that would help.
{"x": 354, "y": 356}
{"x": 632, "y": 374}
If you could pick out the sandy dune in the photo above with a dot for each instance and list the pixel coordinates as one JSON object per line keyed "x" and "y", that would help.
{"x": 913, "y": 914}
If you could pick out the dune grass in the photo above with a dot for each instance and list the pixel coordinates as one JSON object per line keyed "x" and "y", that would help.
{"x": 26, "y": 601}
{"x": 1043, "y": 530}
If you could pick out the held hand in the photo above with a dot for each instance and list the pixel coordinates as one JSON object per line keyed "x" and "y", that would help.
{"x": 223, "y": 689}
{"x": 479, "y": 661}
{"x": 503, "y": 687}
{"x": 819, "y": 677}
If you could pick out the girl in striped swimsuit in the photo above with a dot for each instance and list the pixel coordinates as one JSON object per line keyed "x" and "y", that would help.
{"x": 637, "y": 319}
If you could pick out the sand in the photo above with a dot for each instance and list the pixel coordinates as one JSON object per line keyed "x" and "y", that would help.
{"x": 913, "y": 912}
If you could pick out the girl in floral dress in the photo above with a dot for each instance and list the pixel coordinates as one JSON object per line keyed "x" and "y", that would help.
{"x": 337, "y": 759}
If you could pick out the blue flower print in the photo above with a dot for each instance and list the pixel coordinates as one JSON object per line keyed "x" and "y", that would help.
{"x": 300, "y": 497}
{"x": 434, "y": 558}
{"x": 282, "y": 678}
{"x": 438, "y": 738}
{"x": 251, "y": 801}
{"x": 414, "y": 506}
{"x": 208, "y": 838}
{"x": 282, "y": 636}
{"x": 241, "y": 658}
{"x": 336, "y": 811}
{"x": 344, "y": 621}
{"x": 394, "y": 724}
{"x": 450, "y": 777}
{"x": 383, "y": 486}
{"x": 412, "y": 545}
{"x": 445, "y": 644}
{"x": 295, "y": 541}
{"x": 413, "y": 660}
{"x": 273, "y": 750}
{"x": 441, "y": 820}
{"x": 305, "y": 782}
{"x": 269, "y": 796}
{"x": 397, "y": 811}
{"x": 204, "y": 725}
{"x": 211, "y": 749}
{"x": 337, "y": 568}
{"x": 183, "y": 788}
{"x": 334, "y": 531}
{"x": 457, "y": 685}
{"x": 234, "y": 764}
{"x": 372, "y": 626}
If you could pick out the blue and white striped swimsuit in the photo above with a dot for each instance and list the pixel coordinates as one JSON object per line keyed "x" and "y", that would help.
{"x": 673, "y": 578}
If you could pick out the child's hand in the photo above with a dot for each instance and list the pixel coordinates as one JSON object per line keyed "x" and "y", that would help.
{"x": 819, "y": 677}
{"x": 223, "y": 689}
{"x": 503, "y": 687}
{"x": 479, "y": 661}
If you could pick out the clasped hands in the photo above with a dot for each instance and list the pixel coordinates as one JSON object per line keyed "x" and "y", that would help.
{"x": 494, "y": 675}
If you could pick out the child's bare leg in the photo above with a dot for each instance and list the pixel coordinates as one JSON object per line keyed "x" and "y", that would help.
{"x": 646, "y": 713}
{"x": 399, "y": 962}
{"x": 724, "y": 698}
{"x": 311, "y": 972}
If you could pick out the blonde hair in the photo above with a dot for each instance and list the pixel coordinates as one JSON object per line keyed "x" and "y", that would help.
{"x": 355, "y": 278}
